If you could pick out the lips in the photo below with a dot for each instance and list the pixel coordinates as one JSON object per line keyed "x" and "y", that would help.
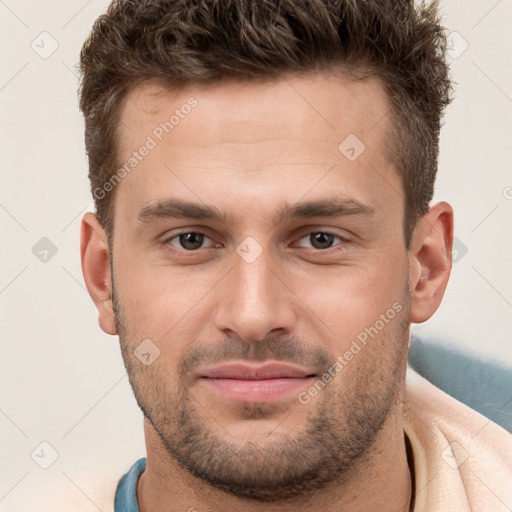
{"x": 256, "y": 383}
{"x": 261, "y": 372}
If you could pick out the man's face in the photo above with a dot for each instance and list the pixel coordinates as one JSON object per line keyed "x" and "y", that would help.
{"x": 254, "y": 287}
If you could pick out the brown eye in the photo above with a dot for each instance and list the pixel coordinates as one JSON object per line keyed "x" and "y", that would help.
{"x": 321, "y": 240}
{"x": 188, "y": 241}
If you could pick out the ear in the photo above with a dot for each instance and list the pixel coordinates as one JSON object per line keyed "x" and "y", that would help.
{"x": 430, "y": 261}
{"x": 94, "y": 252}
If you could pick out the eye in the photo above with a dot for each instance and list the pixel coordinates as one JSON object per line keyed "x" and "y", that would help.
{"x": 192, "y": 241}
{"x": 189, "y": 241}
{"x": 322, "y": 240}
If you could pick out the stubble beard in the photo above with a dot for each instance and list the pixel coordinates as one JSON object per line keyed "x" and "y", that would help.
{"x": 337, "y": 438}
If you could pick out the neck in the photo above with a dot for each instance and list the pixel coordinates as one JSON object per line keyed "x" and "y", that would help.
{"x": 380, "y": 482}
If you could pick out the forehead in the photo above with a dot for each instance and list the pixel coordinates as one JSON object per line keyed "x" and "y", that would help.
{"x": 257, "y": 137}
{"x": 296, "y": 105}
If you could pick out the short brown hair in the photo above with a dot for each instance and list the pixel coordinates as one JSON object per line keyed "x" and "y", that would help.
{"x": 190, "y": 41}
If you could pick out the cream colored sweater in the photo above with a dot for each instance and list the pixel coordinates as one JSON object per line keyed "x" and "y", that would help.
{"x": 463, "y": 461}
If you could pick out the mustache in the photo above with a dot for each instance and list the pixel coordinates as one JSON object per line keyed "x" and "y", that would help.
{"x": 283, "y": 349}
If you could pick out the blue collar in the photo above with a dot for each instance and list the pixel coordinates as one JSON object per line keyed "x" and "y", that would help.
{"x": 126, "y": 492}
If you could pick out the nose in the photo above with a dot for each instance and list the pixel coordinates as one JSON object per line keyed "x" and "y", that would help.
{"x": 255, "y": 299}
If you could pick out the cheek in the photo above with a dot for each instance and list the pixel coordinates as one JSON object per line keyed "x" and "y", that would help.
{"x": 165, "y": 306}
{"x": 350, "y": 299}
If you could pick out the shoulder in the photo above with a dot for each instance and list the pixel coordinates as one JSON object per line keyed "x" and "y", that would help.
{"x": 458, "y": 451}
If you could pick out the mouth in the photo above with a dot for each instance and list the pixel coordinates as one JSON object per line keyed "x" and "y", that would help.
{"x": 256, "y": 383}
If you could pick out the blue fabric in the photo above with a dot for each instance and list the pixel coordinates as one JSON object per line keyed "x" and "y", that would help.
{"x": 126, "y": 493}
{"x": 483, "y": 384}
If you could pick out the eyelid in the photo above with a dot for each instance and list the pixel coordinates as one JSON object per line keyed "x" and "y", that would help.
{"x": 341, "y": 233}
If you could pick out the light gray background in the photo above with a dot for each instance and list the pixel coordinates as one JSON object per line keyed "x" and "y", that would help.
{"x": 61, "y": 379}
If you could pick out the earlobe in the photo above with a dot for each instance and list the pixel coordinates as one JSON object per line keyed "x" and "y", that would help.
{"x": 430, "y": 261}
{"x": 94, "y": 252}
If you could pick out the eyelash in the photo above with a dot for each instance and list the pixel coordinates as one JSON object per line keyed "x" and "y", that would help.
{"x": 172, "y": 248}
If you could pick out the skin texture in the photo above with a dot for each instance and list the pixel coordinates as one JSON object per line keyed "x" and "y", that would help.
{"x": 249, "y": 150}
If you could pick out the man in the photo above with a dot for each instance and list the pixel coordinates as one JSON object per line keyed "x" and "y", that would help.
{"x": 263, "y": 238}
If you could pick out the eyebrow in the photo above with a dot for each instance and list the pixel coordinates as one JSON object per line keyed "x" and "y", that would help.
{"x": 180, "y": 209}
